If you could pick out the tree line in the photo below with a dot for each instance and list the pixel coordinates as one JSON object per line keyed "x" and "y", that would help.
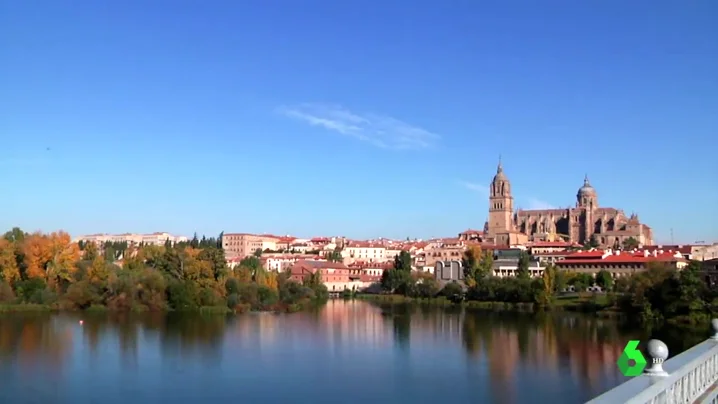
{"x": 51, "y": 270}
{"x": 660, "y": 293}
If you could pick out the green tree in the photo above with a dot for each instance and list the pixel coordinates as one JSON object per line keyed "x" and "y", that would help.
{"x": 402, "y": 262}
{"x": 592, "y": 242}
{"x": 604, "y": 279}
{"x": 630, "y": 243}
{"x": 258, "y": 252}
{"x": 335, "y": 256}
{"x": 522, "y": 271}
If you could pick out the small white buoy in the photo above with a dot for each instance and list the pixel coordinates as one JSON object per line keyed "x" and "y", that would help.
{"x": 81, "y": 322}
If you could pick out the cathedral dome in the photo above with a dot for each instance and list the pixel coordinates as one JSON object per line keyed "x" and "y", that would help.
{"x": 586, "y": 189}
{"x": 500, "y": 176}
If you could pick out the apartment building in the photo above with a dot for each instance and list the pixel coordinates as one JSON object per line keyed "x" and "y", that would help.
{"x": 365, "y": 251}
{"x": 243, "y": 244}
{"x": 157, "y": 238}
{"x": 283, "y": 262}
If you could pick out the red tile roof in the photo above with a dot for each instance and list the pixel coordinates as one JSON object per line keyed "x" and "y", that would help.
{"x": 638, "y": 257}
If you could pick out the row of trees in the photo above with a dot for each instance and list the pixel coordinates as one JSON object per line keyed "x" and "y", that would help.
{"x": 50, "y": 269}
{"x": 659, "y": 293}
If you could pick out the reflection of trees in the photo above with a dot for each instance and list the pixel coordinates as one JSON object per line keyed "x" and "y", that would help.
{"x": 33, "y": 341}
{"x": 190, "y": 334}
{"x": 587, "y": 347}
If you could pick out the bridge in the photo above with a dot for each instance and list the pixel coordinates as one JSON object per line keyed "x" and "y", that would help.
{"x": 691, "y": 377}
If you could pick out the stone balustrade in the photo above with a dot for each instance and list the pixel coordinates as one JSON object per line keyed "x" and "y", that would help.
{"x": 691, "y": 377}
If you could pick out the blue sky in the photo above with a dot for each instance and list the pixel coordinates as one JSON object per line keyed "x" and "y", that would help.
{"x": 360, "y": 118}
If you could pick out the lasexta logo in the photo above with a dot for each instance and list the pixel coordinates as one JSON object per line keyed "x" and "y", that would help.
{"x": 631, "y": 362}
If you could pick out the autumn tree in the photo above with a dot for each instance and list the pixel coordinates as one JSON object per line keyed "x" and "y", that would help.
{"x": 37, "y": 252}
{"x": 471, "y": 263}
{"x": 90, "y": 251}
{"x": 9, "y": 271}
{"x": 98, "y": 273}
{"x": 63, "y": 254}
{"x": 272, "y": 281}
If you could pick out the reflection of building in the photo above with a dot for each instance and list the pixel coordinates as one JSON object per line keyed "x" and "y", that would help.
{"x": 609, "y": 226}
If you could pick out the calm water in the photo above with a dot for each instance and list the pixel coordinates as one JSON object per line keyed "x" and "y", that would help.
{"x": 348, "y": 352}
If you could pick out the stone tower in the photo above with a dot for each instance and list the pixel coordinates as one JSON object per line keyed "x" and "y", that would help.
{"x": 587, "y": 201}
{"x": 501, "y": 204}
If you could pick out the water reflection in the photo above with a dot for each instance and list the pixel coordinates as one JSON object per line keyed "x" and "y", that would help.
{"x": 453, "y": 354}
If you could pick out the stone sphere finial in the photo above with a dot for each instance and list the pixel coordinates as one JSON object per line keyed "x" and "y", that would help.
{"x": 658, "y": 351}
{"x": 714, "y": 325}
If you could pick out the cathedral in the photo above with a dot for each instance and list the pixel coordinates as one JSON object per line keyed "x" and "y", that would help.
{"x": 610, "y": 227}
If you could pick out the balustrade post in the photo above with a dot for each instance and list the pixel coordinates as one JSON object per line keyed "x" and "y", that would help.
{"x": 658, "y": 352}
{"x": 714, "y": 324}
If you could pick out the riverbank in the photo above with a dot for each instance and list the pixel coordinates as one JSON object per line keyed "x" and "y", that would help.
{"x": 221, "y": 310}
{"x": 599, "y": 304}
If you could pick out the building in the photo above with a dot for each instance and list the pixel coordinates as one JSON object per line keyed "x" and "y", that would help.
{"x": 506, "y": 263}
{"x": 448, "y": 271}
{"x": 709, "y": 268}
{"x": 704, "y": 252}
{"x": 364, "y": 251}
{"x": 336, "y": 276}
{"x": 609, "y": 226}
{"x": 243, "y": 245}
{"x": 620, "y": 263}
{"x": 132, "y": 239}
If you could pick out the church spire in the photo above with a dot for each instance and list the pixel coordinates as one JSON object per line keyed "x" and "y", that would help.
{"x": 585, "y": 181}
{"x": 500, "y": 167}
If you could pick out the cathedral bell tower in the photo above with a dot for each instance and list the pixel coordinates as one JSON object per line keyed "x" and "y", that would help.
{"x": 501, "y": 204}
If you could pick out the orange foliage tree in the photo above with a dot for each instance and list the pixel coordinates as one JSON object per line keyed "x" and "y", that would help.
{"x": 63, "y": 256}
{"x": 36, "y": 248}
{"x": 51, "y": 257}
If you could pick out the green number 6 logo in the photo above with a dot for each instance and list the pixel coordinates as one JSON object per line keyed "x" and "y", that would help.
{"x": 631, "y": 353}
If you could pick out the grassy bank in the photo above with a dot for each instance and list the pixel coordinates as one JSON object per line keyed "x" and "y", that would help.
{"x": 12, "y": 308}
{"x": 587, "y": 303}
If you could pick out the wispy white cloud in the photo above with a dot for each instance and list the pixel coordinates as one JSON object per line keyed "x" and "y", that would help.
{"x": 379, "y": 130}
{"x": 539, "y": 204}
{"x": 472, "y": 186}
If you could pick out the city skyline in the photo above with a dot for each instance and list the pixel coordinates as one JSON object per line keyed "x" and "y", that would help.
{"x": 244, "y": 118}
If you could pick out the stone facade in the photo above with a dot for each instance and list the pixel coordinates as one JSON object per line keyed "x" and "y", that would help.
{"x": 609, "y": 226}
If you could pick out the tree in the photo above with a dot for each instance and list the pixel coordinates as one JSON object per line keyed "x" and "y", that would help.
{"x": 630, "y": 243}
{"x": 471, "y": 262}
{"x": 36, "y": 250}
{"x": 604, "y": 279}
{"x": 486, "y": 265}
{"x": 98, "y": 273}
{"x": 9, "y": 271}
{"x": 549, "y": 282}
{"x": 591, "y": 243}
{"x": 522, "y": 271}
{"x": 335, "y": 256}
{"x": 393, "y": 279}
{"x": 90, "y": 251}
{"x": 258, "y": 252}
{"x": 402, "y": 262}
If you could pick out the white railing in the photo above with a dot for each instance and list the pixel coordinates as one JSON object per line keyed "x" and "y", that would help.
{"x": 691, "y": 377}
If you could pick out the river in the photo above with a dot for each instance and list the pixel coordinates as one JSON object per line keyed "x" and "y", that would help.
{"x": 345, "y": 352}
